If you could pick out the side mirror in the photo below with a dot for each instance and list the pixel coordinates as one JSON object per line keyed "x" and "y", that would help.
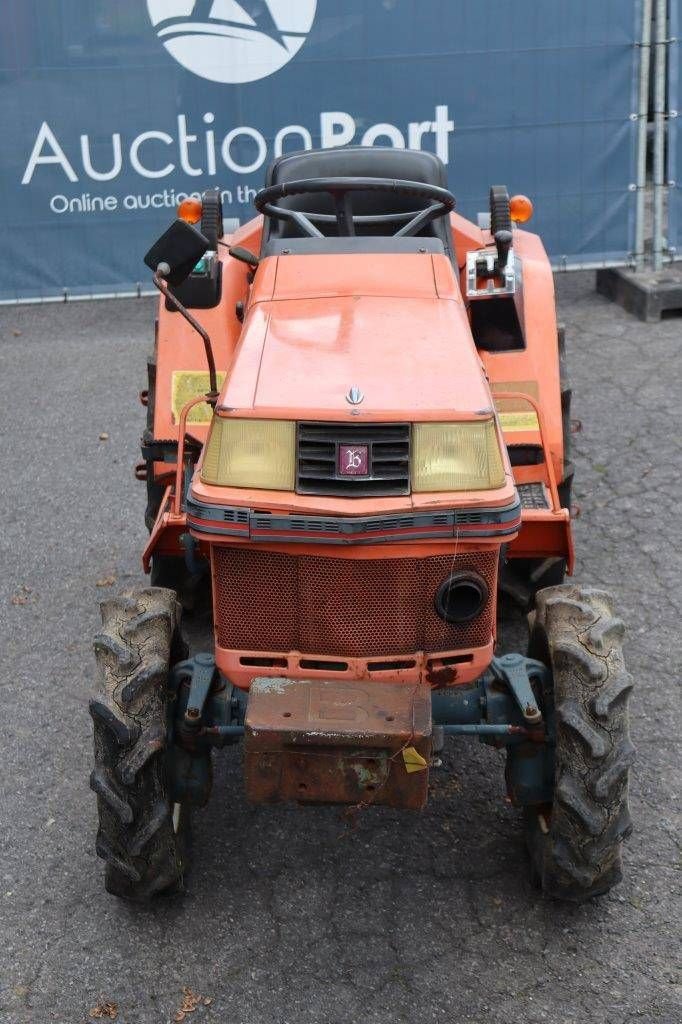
{"x": 180, "y": 248}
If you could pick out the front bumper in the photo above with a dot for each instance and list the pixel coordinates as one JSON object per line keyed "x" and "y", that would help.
{"x": 315, "y": 741}
{"x": 275, "y": 527}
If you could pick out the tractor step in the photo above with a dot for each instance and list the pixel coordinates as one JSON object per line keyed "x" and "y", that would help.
{"x": 533, "y": 495}
{"x": 318, "y": 741}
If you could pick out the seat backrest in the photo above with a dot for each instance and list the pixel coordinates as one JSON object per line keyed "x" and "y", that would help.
{"x": 358, "y": 162}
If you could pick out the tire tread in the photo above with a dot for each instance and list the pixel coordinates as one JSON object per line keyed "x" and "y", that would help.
{"x": 580, "y": 856}
{"x": 143, "y": 854}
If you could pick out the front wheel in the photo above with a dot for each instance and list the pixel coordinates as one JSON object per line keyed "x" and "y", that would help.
{"x": 575, "y": 844}
{"x": 142, "y": 837}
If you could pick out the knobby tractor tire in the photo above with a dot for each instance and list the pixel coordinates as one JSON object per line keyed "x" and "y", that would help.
{"x": 575, "y": 848}
{"x": 565, "y": 486}
{"x": 142, "y": 842}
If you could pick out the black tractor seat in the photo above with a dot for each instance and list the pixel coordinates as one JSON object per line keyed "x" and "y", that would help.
{"x": 385, "y": 162}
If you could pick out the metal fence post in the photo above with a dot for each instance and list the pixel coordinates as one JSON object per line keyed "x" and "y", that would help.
{"x": 642, "y": 115}
{"x": 660, "y": 54}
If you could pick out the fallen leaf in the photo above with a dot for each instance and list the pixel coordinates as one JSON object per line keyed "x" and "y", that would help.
{"x": 104, "y": 1009}
{"x": 104, "y": 436}
{"x": 105, "y": 581}
{"x": 190, "y": 1001}
{"x": 16, "y": 333}
{"x": 414, "y": 762}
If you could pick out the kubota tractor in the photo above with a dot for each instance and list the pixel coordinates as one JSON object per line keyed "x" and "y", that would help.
{"x": 357, "y": 440}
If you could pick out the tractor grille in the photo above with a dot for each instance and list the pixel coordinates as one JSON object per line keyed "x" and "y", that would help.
{"x": 388, "y": 451}
{"x": 346, "y": 607}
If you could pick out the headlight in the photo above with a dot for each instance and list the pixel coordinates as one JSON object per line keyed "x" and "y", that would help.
{"x": 456, "y": 457}
{"x": 251, "y": 453}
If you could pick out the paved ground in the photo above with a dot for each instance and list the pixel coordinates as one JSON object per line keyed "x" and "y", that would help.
{"x": 292, "y": 916}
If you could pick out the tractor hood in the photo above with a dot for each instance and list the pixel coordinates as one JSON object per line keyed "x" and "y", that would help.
{"x": 391, "y": 326}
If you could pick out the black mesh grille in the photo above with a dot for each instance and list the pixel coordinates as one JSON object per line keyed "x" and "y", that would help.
{"x": 388, "y": 447}
{"x": 343, "y": 607}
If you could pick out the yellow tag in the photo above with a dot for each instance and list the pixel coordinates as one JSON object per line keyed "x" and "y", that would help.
{"x": 515, "y": 414}
{"x": 189, "y": 384}
{"x": 414, "y": 762}
{"x": 516, "y": 421}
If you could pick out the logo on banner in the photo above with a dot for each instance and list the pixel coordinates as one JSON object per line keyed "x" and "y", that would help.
{"x": 232, "y": 41}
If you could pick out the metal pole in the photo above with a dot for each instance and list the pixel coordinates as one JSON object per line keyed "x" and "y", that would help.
{"x": 642, "y": 116}
{"x": 659, "y": 130}
{"x": 484, "y": 729}
{"x": 158, "y": 279}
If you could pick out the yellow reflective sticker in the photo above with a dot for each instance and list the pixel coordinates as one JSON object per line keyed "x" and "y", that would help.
{"x": 414, "y": 762}
{"x": 515, "y": 414}
{"x": 516, "y": 421}
{"x": 189, "y": 384}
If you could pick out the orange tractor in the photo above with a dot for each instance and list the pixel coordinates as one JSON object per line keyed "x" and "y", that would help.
{"x": 357, "y": 443}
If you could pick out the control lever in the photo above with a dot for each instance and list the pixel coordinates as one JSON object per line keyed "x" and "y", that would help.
{"x": 238, "y": 252}
{"x": 503, "y": 241}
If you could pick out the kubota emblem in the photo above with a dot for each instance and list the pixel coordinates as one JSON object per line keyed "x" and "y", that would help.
{"x": 353, "y": 460}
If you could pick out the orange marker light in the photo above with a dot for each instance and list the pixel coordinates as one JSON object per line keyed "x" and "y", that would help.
{"x": 190, "y": 210}
{"x": 521, "y": 209}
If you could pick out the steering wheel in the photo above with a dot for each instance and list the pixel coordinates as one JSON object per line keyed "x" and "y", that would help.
{"x": 341, "y": 190}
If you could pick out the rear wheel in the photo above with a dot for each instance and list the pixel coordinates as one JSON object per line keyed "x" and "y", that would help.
{"x": 192, "y": 589}
{"x": 155, "y": 490}
{"x": 575, "y": 844}
{"x": 169, "y": 571}
{"x": 522, "y": 578}
{"x": 142, "y": 837}
{"x": 566, "y": 396}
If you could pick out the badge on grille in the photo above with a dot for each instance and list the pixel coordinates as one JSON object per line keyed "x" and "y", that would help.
{"x": 353, "y": 460}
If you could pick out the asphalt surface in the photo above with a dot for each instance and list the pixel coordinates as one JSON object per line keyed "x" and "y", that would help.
{"x": 299, "y": 916}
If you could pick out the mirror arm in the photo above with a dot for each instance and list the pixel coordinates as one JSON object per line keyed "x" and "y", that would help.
{"x": 158, "y": 278}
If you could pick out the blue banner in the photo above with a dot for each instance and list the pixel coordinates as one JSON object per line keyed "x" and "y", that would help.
{"x": 113, "y": 110}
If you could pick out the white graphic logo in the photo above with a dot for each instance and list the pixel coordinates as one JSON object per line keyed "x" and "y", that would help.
{"x": 353, "y": 458}
{"x": 232, "y": 41}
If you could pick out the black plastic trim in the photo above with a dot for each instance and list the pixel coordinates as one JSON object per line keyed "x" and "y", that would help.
{"x": 255, "y": 526}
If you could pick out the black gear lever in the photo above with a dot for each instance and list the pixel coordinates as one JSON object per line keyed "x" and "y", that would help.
{"x": 503, "y": 241}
